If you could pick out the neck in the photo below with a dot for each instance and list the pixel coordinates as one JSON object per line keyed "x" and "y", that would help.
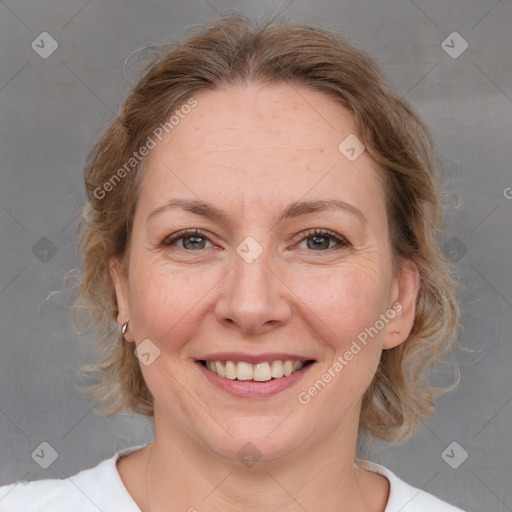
{"x": 183, "y": 475}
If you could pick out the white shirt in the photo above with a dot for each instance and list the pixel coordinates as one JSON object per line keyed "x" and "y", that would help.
{"x": 101, "y": 489}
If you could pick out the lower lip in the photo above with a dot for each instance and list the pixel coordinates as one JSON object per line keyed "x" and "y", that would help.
{"x": 252, "y": 389}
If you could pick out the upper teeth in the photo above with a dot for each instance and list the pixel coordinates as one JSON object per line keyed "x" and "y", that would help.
{"x": 260, "y": 372}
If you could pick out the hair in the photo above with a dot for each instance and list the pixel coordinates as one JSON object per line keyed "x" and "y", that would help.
{"x": 234, "y": 51}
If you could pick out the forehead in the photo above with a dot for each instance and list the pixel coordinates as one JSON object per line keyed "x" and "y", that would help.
{"x": 268, "y": 143}
{"x": 286, "y": 117}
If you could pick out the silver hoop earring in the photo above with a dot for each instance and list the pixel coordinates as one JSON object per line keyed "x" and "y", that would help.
{"x": 124, "y": 328}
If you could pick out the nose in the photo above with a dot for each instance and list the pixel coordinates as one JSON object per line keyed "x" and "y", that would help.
{"x": 254, "y": 300}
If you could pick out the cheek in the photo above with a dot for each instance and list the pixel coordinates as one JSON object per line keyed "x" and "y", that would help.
{"x": 343, "y": 312}
{"x": 166, "y": 302}
{"x": 345, "y": 309}
{"x": 344, "y": 302}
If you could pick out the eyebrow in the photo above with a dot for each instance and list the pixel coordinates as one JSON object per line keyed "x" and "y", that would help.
{"x": 295, "y": 209}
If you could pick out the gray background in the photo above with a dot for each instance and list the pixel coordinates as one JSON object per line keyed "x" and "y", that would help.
{"x": 53, "y": 109}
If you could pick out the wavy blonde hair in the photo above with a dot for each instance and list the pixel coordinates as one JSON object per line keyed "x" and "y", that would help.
{"x": 232, "y": 50}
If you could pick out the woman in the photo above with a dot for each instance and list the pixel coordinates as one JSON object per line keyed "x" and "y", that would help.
{"x": 261, "y": 225}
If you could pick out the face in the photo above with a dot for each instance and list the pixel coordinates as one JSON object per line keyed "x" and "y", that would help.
{"x": 258, "y": 249}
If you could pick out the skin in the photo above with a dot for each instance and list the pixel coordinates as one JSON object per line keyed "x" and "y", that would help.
{"x": 251, "y": 151}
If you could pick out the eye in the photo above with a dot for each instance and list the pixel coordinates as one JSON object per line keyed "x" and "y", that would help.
{"x": 191, "y": 239}
{"x": 320, "y": 240}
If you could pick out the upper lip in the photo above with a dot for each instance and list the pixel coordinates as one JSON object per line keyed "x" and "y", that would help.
{"x": 254, "y": 358}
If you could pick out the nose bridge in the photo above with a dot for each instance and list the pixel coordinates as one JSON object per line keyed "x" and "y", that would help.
{"x": 252, "y": 277}
{"x": 253, "y": 297}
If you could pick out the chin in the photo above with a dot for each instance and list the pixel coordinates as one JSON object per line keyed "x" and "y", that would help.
{"x": 248, "y": 447}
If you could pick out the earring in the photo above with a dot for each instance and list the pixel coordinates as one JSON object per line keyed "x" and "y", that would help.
{"x": 124, "y": 328}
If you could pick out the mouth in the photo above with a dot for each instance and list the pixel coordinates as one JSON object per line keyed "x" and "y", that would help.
{"x": 263, "y": 371}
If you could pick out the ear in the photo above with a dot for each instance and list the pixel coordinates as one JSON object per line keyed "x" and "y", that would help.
{"x": 120, "y": 280}
{"x": 406, "y": 286}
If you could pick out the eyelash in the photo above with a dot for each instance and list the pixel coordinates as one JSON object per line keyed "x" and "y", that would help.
{"x": 170, "y": 240}
{"x": 342, "y": 242}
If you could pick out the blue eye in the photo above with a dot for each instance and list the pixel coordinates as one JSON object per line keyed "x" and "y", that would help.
{"x": 192, "y": 239}
{"x": 320, "y": 240}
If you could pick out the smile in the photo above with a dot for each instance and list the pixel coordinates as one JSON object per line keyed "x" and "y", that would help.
{"x": 259, "y": 372}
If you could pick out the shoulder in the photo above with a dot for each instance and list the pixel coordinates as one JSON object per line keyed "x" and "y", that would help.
{"x": 406, "y": 498}
{"x": 97, "y": 488}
